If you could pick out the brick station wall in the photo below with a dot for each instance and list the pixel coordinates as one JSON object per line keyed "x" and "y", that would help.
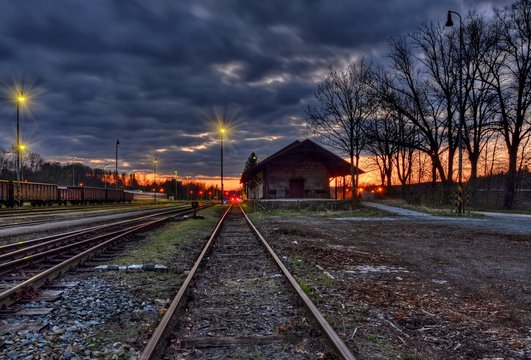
{"x": 315, "y": 177}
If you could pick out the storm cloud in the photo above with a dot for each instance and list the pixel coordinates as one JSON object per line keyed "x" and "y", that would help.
{"x": 155, "y": 73}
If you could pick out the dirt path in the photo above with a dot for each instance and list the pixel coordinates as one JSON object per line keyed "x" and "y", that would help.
{"x": 509, "y": 223}
{"x": 415, "y": 287}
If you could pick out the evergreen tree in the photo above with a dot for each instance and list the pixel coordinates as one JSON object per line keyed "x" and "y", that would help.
{"x": 251, "y": 162}
{"x": 251, "y": 182}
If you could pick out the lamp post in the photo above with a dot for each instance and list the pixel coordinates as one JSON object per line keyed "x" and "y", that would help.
{"x": 175, "y": 184}
{"x": 460, "y": 202}
{"x": 155, "y": 178}
{"x": 221, "y": 132}
{"x": 73, "y": 178}
{"x": 116, "y": 170}
{"x": 20, "y": 99}
{"x": 22, "y": 147}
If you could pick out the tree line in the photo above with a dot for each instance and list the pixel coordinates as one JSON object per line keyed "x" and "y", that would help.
{"x": 35, "y": 169}
{"x": 440, "y": 83}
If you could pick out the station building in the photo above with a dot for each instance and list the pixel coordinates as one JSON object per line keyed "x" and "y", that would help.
{"x": 301, "y": 170}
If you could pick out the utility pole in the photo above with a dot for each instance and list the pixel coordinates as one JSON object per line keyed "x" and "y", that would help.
{"x": 175, "y": 185}
{"x": 116, "y": 170}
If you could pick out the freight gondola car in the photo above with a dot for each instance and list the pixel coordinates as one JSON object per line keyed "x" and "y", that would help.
{"x": 91, "y": 195}
{"x": 15, "y": 193}
{"x": 114, "y": 196}
{"x": 128, "y": 196}
{"x": 66, "y": 195}
{"x": 37, "y": 194}
{"x": 4, "y": 193}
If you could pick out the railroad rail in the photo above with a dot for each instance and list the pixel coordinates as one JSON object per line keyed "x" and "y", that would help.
{"x": 71, "y": 235}
{"x": 231, "y": 265}
{"x": 36, "y": 217}
{"x": 46, "y": 258}
{"x": 8, "y": 212}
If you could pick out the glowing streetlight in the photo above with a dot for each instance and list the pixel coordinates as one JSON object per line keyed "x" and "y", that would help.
{"x": 221, "y": 132}
{"x": 449, "y": 22}
{"x": 20, "y": 99}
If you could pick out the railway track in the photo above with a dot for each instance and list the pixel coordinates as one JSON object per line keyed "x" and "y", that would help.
{"x": 34, "y": 217}
{"x": 28, "y": 265}
{"x": 8, "y": 212}
{"x": 240, "y": 301}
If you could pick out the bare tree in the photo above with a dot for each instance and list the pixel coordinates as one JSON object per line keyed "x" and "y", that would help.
{"x": 437, "y": 53}
{"x": 403, "y": 156}
{"x": 4, "y": 160}
{"x": 382, "y": 144}
{"x": 509, "y": 75}
{"x": 34, "y": 162}
{"x": 343, "y": 105}
{"x": 479, "y": 99}
{"x": 405, "y": 88}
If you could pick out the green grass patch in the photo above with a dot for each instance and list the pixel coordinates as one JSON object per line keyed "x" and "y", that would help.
{"x": 376, "y": 340}
{"x": 410, "y": 357}
{"x": 159, "y": 245}
{"x": 306, "y": 288}
{"x": 323, "y": 280}
{"x": 332, "y": 320}
{"x": 358, "y": 212}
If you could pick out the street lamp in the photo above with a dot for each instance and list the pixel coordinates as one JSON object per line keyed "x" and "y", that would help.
{"x": 20, "y": 99}
{"x": 221, "y": 132}
{"x": 155, "y": 178}
{"x": 460, "y": 202}
{"x": 73, "y": 178}
{"x": 175, "y": 184}
{"x": 116, "y": 176}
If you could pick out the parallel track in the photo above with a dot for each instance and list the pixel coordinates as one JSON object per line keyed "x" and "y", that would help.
{"x": 47, "y": 258}
{"x": 72, "y": 235}
{"x": 34, "y": 217}
{"x": 237, "y": 301}
{"x": 8, "y": 212}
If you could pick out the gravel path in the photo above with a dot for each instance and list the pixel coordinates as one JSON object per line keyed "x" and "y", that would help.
{"x": 507, "y": 223}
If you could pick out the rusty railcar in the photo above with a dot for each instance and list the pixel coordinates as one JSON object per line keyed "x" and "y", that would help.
{"x": 37, "y": 194}
{"x": 16, "y": 193}
{"x": 5, "y": 193}
{"x": 128, "y": 196}
{"x": 114, "y": 195}
{"x": 72, "y": 196}
{"x": 91, "y": 195}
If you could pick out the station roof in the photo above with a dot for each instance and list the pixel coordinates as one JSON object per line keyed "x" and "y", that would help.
{"x": 306, "y": 148}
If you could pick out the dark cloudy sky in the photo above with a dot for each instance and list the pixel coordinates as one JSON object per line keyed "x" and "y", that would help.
{"x": 155, "y": 73}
